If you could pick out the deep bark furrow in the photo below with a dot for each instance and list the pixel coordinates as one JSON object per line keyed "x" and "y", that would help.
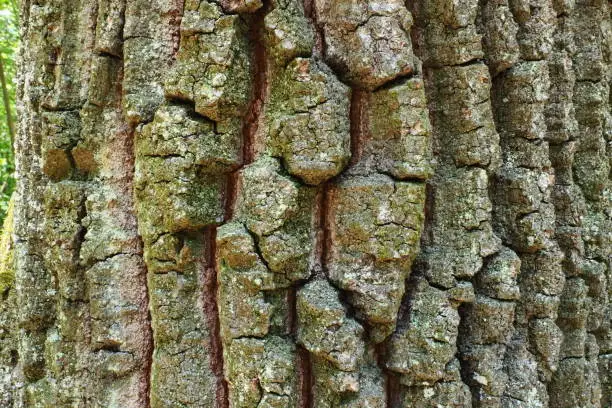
{"x": 211, "y": 310}
{"x": 358, "y": 127}
{"x": 526, "y": 220}
{"x": 78, "y": 183}
{"x": 460, "y": 238}
{"x": 390, "y": 160}
{"x": 569, "y": 208}
{"x": 581, "y": 197}
{"x": 185, "y": 278}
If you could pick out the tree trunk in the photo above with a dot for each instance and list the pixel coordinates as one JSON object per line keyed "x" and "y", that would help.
{"x": 336, "y": 203}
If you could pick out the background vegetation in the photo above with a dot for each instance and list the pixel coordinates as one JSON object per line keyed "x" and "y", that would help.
{"x": 9, "y": 38}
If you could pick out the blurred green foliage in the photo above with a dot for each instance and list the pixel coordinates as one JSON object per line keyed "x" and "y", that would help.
{"x": 9, "y": 39}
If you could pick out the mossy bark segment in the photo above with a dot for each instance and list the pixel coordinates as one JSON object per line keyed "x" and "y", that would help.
{"x": 150, "y": 38}
{"x": 526, "y": 218}
{"x": 325, "y": 330}
{"x": 344, "y": 374}
{"x": 368, "y": 43}
{"x": 260, "y": 257}
{"x": 87, "y": 339}
{"x": 179, "y": 143}
{"x": 400, "y": 132}
{"x": 212, "y": 67}
{"x": 308, "y": 121}
{"x": 180, "y": 372}
{"x": 426, "y": 349}
{"x": 375, "y": 224}
{"x": 330, "y": 204}
{"x": 575, "y": 120}
{"x": 287, "y": 32}
{"x": 184, "y": 157}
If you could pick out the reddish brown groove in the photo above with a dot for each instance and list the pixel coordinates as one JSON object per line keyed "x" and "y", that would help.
{"x": 292, "y": 310}
{"x": 231, "y": 190}
{"x": 176, "y": 17}
{"x": 428, "y": 210}
{"x": 250, "y": 124}
{"x": 311, "y": 13}
{"x": 309, "y": 10}
{"x": 260, "y": 86}
{"x": 131, "y": 163}
{"x": 325, "y": 240}
{"x": 211, "y": 311}
{"x": 305, "y": 378}
{"x": 359, "y": 123}
{"x": 150, "y": 344}
{"x": 393, "y": 389}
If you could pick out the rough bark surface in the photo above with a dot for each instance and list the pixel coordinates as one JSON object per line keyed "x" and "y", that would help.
{"x": 313, "y": 204}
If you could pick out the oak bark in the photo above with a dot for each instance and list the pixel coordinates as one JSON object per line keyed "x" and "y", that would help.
{"x": 320, "y": 203}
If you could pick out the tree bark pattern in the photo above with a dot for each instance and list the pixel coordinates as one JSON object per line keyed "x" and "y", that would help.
{"x": 320, "y": 203}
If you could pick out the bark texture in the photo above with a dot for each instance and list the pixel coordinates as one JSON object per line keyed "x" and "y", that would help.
{"x": 311, "y": 204}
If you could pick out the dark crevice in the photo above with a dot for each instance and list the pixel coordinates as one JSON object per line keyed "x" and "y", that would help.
{"x": 110, "y": 346}
{"x": 305, "y": 378}
{"x": 260, "y": 85}
{"x": 429, "y": 215}
{"x": 324, "y": 242}
{"x": 397, "y": 81}
{"x": 176, "y": 17}
{"x": 393, "y": 389}
{"x": 405, "y": 310}
{"x": 292, "y": 311}
{"x": 108, "y": 54}
{"x": 473, "y": 61}
{"x": 229, "y": 199}
{"x": 148, "y": 355}
{"x": 358, "y": 123}
{"x": 252, "y": 118}
{"x": 465, "y": 370}
{"x": 150, "y": 340}
{"x": 256, "y": 241}
{"x": 211, "y": 312}
{"x": 311, "y": 13}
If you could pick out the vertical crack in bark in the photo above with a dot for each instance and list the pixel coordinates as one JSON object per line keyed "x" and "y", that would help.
{"x": 230, "y": 195}
{"x": 150, "y": 346}
{"x": 251, "y": 121}
{"x": 311, "y": 14}
{"x": 393, "y": 390}
{"x": 250, "y": 150}
{"x": 324, "y": 235}
{"x": 175, "y": 22}
{"x": 305, "y": 378}
{"x": 211, "y": 311}
{"x": 148, "y": 354}
{"x": 305, "y": 370}
{"x": 359, "y": 125}
{"x": 148, "y": 363}
{"x": 291, "y": 299}
{"x": 304, "y": 363}
{"x": 260, "y": 86}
